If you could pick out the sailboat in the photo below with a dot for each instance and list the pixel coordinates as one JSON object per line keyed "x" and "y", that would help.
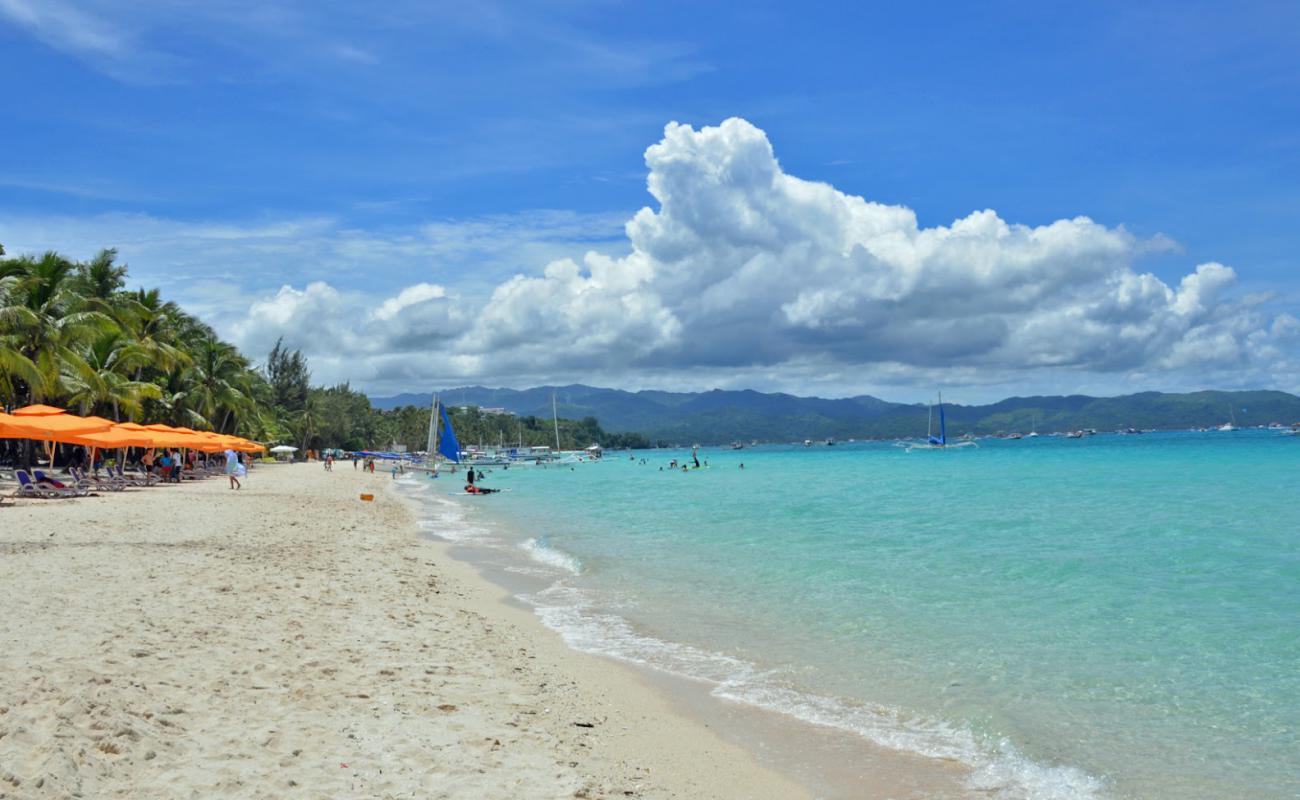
{"x": 1231, "y": 425}
{"x": 445, "y": 445}
{"x": 939, "y": 442}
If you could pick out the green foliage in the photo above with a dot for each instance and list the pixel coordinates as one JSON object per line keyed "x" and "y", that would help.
{"x": 289, "y": 378}
{"x": 345, "y": 419}
{"x": 72, "y": 335}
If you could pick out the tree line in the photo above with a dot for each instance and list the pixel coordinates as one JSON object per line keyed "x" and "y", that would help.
{"x": 73, "y": 335}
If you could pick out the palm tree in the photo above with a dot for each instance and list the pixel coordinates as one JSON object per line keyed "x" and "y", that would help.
{"x": 40, "y": 323}
{"x": 308, "y": 421}
{"x": 16, "y": 370}
{"x": 215, "y": 378}
{"x": 99, "y": 281}
{"x": 103, "y": 376}
{"x": 179, "y": 399}
{"x": 153, "y": 325}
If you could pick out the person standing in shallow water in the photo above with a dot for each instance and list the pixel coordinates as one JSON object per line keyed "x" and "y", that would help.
{"x": 470, "y": 477}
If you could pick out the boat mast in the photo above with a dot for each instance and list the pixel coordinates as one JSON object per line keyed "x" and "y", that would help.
{"x": 555, "y": 418}
{"x": 943, "y": 429}
{"x": 433, "y": 429}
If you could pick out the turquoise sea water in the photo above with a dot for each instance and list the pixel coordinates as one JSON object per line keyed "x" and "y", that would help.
{"x": 1111, "y": 617}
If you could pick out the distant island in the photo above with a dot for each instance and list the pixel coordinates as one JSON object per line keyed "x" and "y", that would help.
{"x": 719, "y": 417}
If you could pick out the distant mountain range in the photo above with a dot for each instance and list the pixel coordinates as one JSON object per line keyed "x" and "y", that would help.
{"x": 718, "y": 416}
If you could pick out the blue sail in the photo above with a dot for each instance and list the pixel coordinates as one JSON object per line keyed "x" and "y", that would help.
{"x": 942, "y": 438}
{"x": 447, "y": 445}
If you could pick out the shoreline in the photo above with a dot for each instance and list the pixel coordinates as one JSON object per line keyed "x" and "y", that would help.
{"x": 288, "y": 639}
{"x": 825, "y": 760}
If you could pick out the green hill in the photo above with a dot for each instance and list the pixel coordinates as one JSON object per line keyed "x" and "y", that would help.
{"x": 718, "y": 416}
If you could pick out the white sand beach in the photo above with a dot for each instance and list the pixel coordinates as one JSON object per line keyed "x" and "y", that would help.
{"x": 289, "y": 640}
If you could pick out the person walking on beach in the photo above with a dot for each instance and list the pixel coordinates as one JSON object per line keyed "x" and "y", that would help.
{"x": 232, "y": 468}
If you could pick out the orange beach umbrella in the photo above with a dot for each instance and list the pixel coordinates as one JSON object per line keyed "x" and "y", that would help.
{"x": 49, "y": 428}
{"x": 112, "y": 439}
{"x": 38, "y": 410}
{"x": 52, "y": 427}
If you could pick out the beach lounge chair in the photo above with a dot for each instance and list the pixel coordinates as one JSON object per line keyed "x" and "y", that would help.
{"x": 97, "y": 482}
{"x": 146, "y": 479}
{"x": 54, "y": 483}
{"x": 29, "y": 487}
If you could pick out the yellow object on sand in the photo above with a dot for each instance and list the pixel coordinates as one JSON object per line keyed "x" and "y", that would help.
{"x": 367, "y": 497}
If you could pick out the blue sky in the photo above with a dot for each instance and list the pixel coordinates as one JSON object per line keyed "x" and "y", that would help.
{"x": 235, "y": 150}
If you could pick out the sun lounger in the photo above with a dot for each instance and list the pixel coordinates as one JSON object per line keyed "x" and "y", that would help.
{"x": 146, "y": 479}
{"x": 96, "y": 481}
{"x": 29, "y": 487}
{"x": 54, "y": 483}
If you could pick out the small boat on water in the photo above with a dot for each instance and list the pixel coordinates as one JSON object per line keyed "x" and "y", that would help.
{"x": 939, "y": 442}
{"x": 1231, "y": 424}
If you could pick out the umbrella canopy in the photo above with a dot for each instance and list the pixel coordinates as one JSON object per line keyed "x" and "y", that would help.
{"x": 37, "y": 410}
{"x": 284, "y": 448}
{"x": 112, "y": 439}
{"x": 131, "y": 426}
{"x": 52, "y": 427}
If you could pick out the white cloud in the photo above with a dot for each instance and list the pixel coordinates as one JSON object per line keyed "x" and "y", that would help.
{"x": 742, "y": 274}
{"x": 406, "y": 298}
{"x": 64, "y": 27}
{"x": 744, "y": 265}
{"x": 104, "y": 37}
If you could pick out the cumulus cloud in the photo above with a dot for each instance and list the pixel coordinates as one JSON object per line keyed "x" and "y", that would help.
{"x": 744, "y": 269}
{"x": 742, "y": 273}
